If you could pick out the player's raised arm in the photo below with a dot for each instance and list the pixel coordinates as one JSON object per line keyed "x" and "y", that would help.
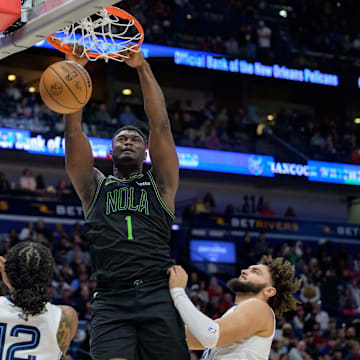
{"x": 79, "y": 161}
{"x": 165, "y": 164}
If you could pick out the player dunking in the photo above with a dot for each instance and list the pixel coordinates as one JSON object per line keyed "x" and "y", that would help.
{"x": 128, "y": 222}
{"x": 246, "y": 330}
{"x": 31, "y": 327}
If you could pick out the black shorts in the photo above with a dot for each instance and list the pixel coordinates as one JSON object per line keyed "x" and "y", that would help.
{"x": 137, "y": 323}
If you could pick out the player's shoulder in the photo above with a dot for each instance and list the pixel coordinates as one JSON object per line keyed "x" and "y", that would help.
{"x": 98, "y": 175}
{"x": 257, "y": 312}
{"x": 69, "y": 318}
{"x": 68, "y": 313}
{"x": 255, "y": 306}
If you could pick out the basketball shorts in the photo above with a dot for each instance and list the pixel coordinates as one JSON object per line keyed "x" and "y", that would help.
{"x": 137, "y": 323}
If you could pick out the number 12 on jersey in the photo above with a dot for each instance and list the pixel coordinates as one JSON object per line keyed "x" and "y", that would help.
{"x": 16, "y": 332}
{"x": 129, "y": 228}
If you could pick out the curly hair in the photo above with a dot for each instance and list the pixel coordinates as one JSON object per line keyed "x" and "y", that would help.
{"x": 29, "y": 268}
{"x": 283, "y": 279}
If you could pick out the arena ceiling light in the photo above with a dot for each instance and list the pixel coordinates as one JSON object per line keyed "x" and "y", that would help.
{"x": 283, "y": 13}
{"x": 126, "y": 92}
{"x": 12, "y": 77}
{"x": 357, "y": 120}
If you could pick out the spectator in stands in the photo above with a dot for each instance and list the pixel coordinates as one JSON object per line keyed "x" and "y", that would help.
{"x": 58, "y": 233}
{"x": 356, "y": 45}
{"x": 4, "y": 247}
{"x": 212, "y": 141}
{"x": 275, "y": 351}
{"x": 222, "y": 123}
{"x": 127, "y": 117}
{"x": 246, "y": 206}
{"x": 40, "y": 184}
{"x": 13, "y": 238}
{"x": 299, "y": 320}
{"x": 62, "y": 190}
{"x": 199, "y": 206}
{"x": 246, "y": 250}
{"x": 266, "y": 210}
{"x": 27, "y": 181}
{"x": 310, "y": 293}
{"x": 26, "y": 232}
{"x": 329, "y": 347}
{"x": 264, "y": 39}
{"x": 213, "y": 285}
{"x": 337, "y": 353}
{"x": 194, "y": 279}
{"x": 249, "y": 36}
{"x": 354, "y": 353}
{"x": 284, "y": 339}
{"x": 4, "y": 184}
{"x": 176, "y": 123}
{"x": 299, "y": 353}
{"x": 355, "y": 292}
{"x": 261, "y": 247}
{"x": 232, "y": 46}
{"x": 60, "y": 126}
{"x": 102, "y": 116}
{"x": 229, "y": 211}
{"x": 44, "y": 234}
{"x": 317, "y": 143}
{"x": 311, "y": 347}
{"x": 203, "y": 292}
{"x": 322, "y": 316}
{"x": 318, "y": 336}
{"x": 284, "y": 357}
{"x": 290, "y": 212}
{"x": 13, "y": 92}
{"x": 209, "y": 202}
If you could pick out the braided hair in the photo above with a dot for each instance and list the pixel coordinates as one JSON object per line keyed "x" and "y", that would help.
{"x": 29, "y": 268}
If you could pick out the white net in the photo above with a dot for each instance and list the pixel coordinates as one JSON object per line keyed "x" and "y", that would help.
{"x": 102, "y": 36}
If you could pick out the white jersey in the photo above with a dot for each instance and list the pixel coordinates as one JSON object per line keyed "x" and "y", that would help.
{"x": 252, "y": 348}
{"x": 34, "y": 339}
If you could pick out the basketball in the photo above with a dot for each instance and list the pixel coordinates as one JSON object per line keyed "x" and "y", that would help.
{"x": 65, "y": 87}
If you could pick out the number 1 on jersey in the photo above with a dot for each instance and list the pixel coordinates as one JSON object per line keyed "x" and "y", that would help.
{"x": 129, "y": 226}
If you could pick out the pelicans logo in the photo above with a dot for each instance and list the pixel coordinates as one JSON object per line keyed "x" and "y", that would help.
{"x": 256, "y": 165}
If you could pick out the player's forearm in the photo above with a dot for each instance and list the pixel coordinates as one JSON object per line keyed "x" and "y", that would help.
{"x": 77, "y": 146}
{"x": 202, "y": 327}
{"x": 154, "y": 100}
{"x": 192, "y": 342}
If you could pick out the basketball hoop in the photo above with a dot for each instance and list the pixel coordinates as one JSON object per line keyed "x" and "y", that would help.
{"x": 111, "y": 35}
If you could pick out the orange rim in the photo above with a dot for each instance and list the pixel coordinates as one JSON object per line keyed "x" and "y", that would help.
{"x": 113, "y": 11}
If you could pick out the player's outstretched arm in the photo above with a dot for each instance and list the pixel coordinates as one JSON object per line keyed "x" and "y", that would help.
{"x": 79, "y": 160}
{"x": 67, "y": 327}
{"x": 165, "y": 163}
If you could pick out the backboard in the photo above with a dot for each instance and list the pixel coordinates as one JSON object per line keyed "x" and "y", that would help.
{"x": 41, "y": 18}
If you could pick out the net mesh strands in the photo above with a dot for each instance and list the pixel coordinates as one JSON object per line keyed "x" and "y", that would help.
{"x": 109, "y": 34}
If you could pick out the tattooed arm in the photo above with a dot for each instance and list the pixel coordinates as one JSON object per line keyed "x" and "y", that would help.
{"x": 67, "y": 327}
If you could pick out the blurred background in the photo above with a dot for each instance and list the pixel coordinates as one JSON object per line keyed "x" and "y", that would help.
{"x": 263, "y": 98}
